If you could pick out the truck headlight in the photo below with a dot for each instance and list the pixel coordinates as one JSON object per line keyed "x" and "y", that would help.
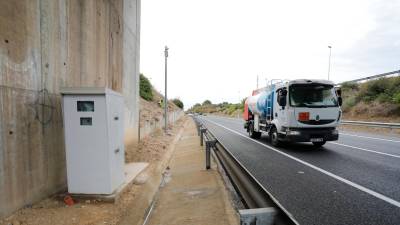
{"x": 293, "y": 132}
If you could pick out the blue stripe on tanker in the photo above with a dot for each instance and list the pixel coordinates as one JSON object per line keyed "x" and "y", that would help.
{"x": 260, "y": 101}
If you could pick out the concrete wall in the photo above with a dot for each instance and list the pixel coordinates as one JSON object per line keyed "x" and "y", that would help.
{"x": 45, "y": 45}
{"x": 130, "y": 83}
{"x": 150, "y": 125}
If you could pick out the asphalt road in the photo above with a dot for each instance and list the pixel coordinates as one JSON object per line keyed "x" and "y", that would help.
{"x": 355, "y": 180}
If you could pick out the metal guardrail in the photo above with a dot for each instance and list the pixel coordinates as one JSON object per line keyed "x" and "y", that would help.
{"x": 253, "y": 194}
{"x": 371, "y": 124}
{"x": 371, "y": 77}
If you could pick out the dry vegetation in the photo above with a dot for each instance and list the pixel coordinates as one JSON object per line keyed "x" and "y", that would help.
{"x": 224, "y": 108}
{"x": 376, "y": 100}
{"x": 153, "y": 109}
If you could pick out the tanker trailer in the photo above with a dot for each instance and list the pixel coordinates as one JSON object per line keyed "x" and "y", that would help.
{"x": 294, "y": 111}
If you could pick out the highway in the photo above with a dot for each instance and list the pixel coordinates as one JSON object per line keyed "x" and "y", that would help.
{"x": 355, "y": 180}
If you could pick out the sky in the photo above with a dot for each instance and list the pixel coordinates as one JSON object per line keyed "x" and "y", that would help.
{"x": 217, "y": 48}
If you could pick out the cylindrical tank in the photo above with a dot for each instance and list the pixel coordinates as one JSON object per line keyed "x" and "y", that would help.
{"x": 262, "y": 103}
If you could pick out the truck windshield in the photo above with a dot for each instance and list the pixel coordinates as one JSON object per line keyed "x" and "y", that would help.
{"x": 313, "y": 96}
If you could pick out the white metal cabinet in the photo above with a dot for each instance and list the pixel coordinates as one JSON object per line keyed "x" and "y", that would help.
{"x": 94, "y": 132}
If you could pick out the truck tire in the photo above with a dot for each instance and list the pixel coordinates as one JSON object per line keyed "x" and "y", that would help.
{"x": 274, "y": 137}
{"x": 253, "y": 134}
{"x": 319, "y": 144}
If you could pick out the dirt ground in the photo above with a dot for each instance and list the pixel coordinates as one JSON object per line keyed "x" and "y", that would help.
{"x": 150, "y": 110}
{"x": 152, "y": 148}
{"x": 53, "y": 210}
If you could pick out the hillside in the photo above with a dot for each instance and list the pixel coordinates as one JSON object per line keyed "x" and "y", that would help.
{"x": 224, "y": 108}
{"x": 375, "y": 100}
{"x": 151, "y": 102}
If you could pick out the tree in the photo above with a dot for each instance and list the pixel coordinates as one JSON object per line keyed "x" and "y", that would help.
{"x": 207, "y": 102}
{"x": 178, "y": 102}
{"x": 146, "y": 91}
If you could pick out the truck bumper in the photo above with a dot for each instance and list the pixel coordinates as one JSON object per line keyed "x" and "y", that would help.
{"x": 309, "y": 134}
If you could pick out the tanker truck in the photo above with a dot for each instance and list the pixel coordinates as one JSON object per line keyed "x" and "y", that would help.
{"x": 294, "y": 111}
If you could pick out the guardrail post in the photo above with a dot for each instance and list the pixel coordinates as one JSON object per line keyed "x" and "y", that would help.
{"x": 265, "y": 216}
{"x": 202, "y": 131}
{"x": 209, "y": 145}
{"x": 198, "y": 129}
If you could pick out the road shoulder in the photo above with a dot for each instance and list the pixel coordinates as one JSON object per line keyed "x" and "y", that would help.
{"x": 190, "y": 194}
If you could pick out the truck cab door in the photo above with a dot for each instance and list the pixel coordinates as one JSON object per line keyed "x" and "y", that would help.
{"x": 280, "y": 112}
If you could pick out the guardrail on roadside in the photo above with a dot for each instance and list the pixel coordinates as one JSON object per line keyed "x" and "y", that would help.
{"x": 261, "y": 205}
{"x": 371, "y": 124}
{"x": 372, "y": 77}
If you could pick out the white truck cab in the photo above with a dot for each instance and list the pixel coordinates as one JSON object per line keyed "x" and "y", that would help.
{"x": 295, "y": 111}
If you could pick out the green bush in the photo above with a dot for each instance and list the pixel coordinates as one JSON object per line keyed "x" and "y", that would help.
{"x": 370, "y": 90}
{"x": 178, "y": 102}
{"x": 382, "y": 90}
{"x": 146, "y": 91}
{"x": 349, "y": 103}
{"x": 383, "y": 97}
{"x": 207, "y": 102}
{"x": 396, "y": 98}
{"x": 233, "y": 107}
{"x": 349, "y": 86}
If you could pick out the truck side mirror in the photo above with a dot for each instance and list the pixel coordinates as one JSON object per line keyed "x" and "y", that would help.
{"x": 282, "y": 93}
{"x": 282, "y": 100}
{"x": 340, "y": 100}
{"x": 339, "y": 92}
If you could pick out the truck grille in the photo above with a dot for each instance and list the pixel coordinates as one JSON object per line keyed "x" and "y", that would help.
{"x": 317, "y": 122}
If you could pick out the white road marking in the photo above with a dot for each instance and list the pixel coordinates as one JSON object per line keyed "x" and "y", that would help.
{"x": 357, "y": 186}
{"x": 367, "y": 150}
{"x": 380, "y": 139}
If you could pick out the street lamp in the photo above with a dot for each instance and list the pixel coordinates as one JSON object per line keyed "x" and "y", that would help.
{"x": 165, "y": 94}
{"x": 329, "y": 64}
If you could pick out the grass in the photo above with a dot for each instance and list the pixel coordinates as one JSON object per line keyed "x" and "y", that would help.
{"x": 146, "y": 91}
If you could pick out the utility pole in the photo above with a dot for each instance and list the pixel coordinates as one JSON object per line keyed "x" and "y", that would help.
{"x": 165, "y": 93}
{"x": 329, "y": 64}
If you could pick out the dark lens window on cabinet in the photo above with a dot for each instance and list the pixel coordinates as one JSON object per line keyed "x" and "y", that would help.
{"x": 86, "y": 121}
{"x": 85, "y": 106}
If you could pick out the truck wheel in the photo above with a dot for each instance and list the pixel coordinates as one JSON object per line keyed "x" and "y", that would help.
{"x": 274, "y": 137}
{"x": 319, "y": 144}
{"x": 252, "y": 133}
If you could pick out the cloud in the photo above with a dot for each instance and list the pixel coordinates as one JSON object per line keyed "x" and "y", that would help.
{"x": 379, "y": 50}
{"x": 217, "y": 48}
